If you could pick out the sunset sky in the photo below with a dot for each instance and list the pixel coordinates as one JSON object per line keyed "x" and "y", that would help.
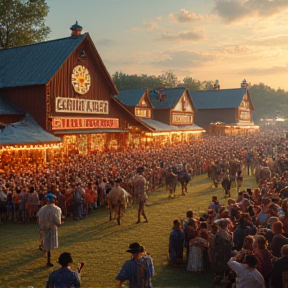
{"x": 228, "y": 40}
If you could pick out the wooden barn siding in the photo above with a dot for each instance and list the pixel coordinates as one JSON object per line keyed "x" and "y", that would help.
{"x": 8, "y": 119}
{"x": 204, "y": 117}
{"x": 100, "y": 89}
{"x": 161, "y": 115}
{"x": 61, "y": 86}
{"x": 31, "y": 99}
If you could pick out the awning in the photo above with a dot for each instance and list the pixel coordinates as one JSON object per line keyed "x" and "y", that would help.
{"x": 26, "y": 131}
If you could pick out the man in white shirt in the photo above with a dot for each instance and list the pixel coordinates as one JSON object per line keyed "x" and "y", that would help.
{"x": 247, "y": 275}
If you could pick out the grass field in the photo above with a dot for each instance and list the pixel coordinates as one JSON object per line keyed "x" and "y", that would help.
{"x": 101, "y": 244}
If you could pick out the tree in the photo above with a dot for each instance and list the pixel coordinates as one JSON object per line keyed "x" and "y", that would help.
{"x": 168, "y": 79}
{"x": 22, "y": 22}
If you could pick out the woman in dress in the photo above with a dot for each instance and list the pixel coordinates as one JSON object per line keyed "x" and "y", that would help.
{"x": 197, "y": 247}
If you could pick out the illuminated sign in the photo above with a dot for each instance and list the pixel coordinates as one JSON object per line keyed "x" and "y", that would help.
{"x": 141, "y": 112}
{"x": 87, "y": 106}
{"x": 59, "y": 123}
{"x": 182, "y": 118}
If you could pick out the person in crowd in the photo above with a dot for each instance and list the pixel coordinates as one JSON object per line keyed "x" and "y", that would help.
{"x": 215, "y": 204}
{"x": 189, "y": 227}
{"x": 278, "y": 240}
{"x": 280, "y": 265}
{"x": 49, "y": 218}
{"x": 32, "y": 203}
{"x": 264, "y": 256}
{"x": 284, "y": 218}
{"x": 176, "y": 243}
{"x": 247, "y": 248}
{"x": 139, "y": 184}
{"x": 247, "y": 274}
{"x": 65, "y": 276}
{"x": 139, "y": 270}
{"x": 222, "y": 251}
{"x": 198, "y": 248}
{"x": 243, "y": 229}
{"x": 77, "y": 202}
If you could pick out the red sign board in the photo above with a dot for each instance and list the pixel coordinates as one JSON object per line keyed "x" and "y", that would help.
{"x": 61, "y": 123}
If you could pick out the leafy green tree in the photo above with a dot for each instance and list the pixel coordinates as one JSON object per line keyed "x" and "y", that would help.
{"x": 22, "y": 22}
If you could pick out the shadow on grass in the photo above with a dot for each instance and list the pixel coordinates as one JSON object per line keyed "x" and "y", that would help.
{"x": 169, "y": 275}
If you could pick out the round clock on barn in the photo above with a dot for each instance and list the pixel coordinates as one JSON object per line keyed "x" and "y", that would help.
{"x": 81, "y": 79}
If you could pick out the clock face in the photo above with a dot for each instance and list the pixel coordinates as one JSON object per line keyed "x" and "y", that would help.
{"x": 80, "y": 79}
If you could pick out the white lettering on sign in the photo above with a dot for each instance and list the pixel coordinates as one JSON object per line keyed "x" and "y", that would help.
{"x": 87, "y": 106}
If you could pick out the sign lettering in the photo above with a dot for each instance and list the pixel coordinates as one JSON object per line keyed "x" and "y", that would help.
{"x": 59, "y": 123}
{"x": 87, "y": 106}
{"x": 182, "y": 118}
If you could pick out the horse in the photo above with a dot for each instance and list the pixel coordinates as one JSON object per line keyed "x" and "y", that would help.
{"x": 184, "y": 178}
{"x": 234, "y": 166}
{"x": 214, "y": 171}
{"x": 226, "y": 184}
{"x": 118, "y": 204}
{"x": 171, "y": 180}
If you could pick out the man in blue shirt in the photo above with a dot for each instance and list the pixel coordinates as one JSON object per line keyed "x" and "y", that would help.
{"x": 64, "y": 277}
{"x": 138, "y": 270}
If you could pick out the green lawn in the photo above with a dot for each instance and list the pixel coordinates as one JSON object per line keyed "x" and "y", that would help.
{"x": 101, "y": 244}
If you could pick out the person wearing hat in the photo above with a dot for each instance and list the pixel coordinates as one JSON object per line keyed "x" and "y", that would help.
{"x": 138, "y": 270}
{"x": 49, "y": 218}
{"x": 64, "y": 277}
{"x": 139, "y": 186}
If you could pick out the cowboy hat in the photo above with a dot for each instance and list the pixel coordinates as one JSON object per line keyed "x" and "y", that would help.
{"x": 135, "y": 248}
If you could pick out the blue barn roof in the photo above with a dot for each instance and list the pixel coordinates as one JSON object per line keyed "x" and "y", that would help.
{"x": 218, "y": 99}
{"x": 130, "y": 97}
{"x": 35, "y": 64}
{"x": 171, "y": 99}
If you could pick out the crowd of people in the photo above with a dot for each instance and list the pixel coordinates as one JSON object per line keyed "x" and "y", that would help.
{"x": 81, "y": 184}
{"x": 243, "y": 241}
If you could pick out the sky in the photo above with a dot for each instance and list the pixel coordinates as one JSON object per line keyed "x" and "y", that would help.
{"x": 227, "y": 40}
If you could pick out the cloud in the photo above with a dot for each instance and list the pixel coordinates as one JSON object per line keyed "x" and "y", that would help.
{"x": 150, "y": 25}
{"x": 263, "y": 71}
{"x": 191, "y": 36}
{"x": 236, "y": 10}
{"x": 281, "y": 40}
{"x": 106, "y": 42}
{"x": 184, "y": 16}
{"x": 235, "y": 49}
{"x": 180, "y": 59}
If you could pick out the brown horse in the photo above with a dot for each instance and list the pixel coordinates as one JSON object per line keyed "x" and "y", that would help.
{"x": 184, "y": 178}
{"x": 214, "y": 172}
{"x": 234, "y": 166}
{"x": 171, "y": 180}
